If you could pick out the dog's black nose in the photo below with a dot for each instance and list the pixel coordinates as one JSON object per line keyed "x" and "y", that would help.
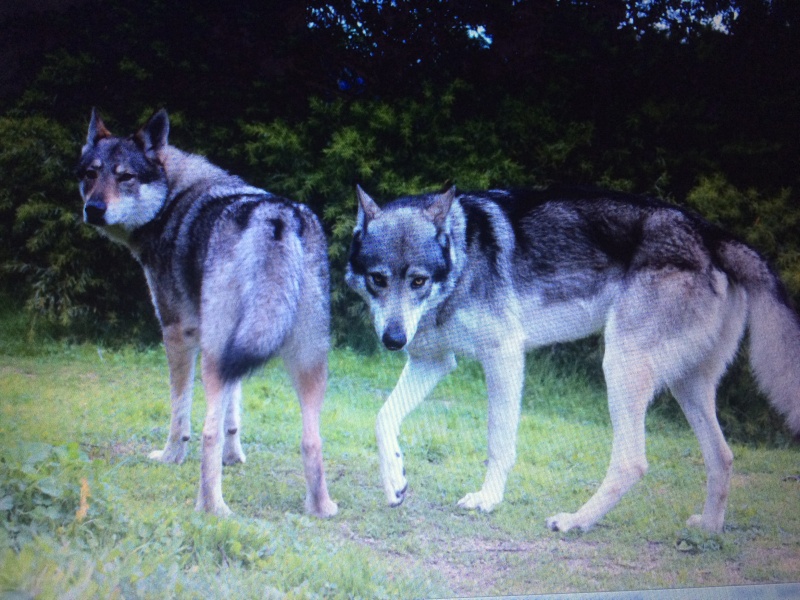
{"x": 94, "y": 212}
{"x": 394, "y": 338}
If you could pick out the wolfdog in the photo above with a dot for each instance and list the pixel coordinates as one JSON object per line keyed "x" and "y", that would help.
{"x": 491, "y": 274}
{"x": 234, "y": 272}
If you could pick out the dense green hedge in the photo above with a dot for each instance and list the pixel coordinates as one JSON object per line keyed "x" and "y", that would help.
{"x": 309, "y": 99}
{"x": 69, "y": 275}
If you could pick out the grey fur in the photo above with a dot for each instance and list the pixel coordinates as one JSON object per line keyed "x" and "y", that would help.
{"x": 494, "y": 273}
{"x": 234, "y": 272}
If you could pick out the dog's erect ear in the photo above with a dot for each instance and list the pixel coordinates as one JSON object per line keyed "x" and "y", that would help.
{"x": 367, "y": 209}
{"x": 97, "y": 129}
{"x": 153, "y": 134}
{"x": 440, "y": 208}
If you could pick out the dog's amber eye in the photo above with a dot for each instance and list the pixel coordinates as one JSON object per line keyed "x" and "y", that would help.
{"x": 418, "y": 282}
{"x": 378, "y": 280}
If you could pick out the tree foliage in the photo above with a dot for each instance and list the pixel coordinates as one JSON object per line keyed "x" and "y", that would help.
{"x": 697, "y": 102}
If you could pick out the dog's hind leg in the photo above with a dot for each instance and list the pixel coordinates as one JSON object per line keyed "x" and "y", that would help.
{"x": 631, "y": 386}
{"x": 696, "y": 396}
{"x": 419, "y": 377}
{"x": 218, "y": 395}
{"x": 181, "y": 345}
{"x": 504, "y": 371}
{"x": 232, "y": 452}
{"x": 310, "y": 386}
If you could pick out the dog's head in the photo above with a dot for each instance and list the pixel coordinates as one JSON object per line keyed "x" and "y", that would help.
{"x": 122, "y": 180}
{"x": 401, "y": 260}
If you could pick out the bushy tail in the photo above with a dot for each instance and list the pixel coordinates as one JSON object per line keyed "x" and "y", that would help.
{"x": 265, "y": 318}
{"x": 774, "y": 328}
{"x": 775, "y": 350}
{"x": 254, "y": 282}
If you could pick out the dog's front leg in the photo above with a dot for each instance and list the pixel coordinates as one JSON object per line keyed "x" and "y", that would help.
{"x": 181, "y": 345}
{"x": 218, "y": 395}
{"x": 504, "y": 369}
{"x": 419, "y": 377}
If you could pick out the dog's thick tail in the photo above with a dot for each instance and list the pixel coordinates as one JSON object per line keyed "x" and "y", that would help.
{"x": 252, "y": 302}
{"x": 774, "y": 331}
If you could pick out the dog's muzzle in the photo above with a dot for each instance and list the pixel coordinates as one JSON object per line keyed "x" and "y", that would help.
{"x": 94, "y": 213}
{"x": 394, "y": 336}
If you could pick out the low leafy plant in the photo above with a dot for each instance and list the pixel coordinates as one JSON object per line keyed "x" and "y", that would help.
{"x": 54, "y": 489}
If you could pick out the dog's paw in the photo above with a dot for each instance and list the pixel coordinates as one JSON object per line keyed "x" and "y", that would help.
{"x": 219, "y": 509}
{"x": 697, "y": 522}
{"x": 394, "y": 480}
{"x": 171, "y": 454}
{"x": 233, "y": 454}
{"x": 396, "y": 491}
{"x": 324, "y": 509}
{"x": 480, "y": 501}
{"x": 565, "y": 522}
{"x": 233, "y": 458}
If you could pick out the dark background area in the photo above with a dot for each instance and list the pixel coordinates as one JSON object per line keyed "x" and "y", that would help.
{"x": 696, "y": 102}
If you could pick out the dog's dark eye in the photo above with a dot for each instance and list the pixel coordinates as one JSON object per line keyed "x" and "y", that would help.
{"x": 89, "y": 174}
{"x": 418, "y": 282}
{"x": 123, "y": 177}
{"x": 378, "y": 280}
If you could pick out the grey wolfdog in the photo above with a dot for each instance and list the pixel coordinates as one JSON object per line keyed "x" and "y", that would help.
{"x": 234, "y": 272}
{"x": 491, "y": 274}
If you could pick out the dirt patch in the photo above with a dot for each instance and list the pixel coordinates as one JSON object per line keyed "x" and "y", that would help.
{"x": 771, "y": 564}
{"x": 114, "y": 450}
{"x": 478, "y": 567}
{"x": 6, "y": 371}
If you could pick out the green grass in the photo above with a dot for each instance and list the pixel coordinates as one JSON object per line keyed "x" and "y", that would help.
{"x": 77, "y": 412}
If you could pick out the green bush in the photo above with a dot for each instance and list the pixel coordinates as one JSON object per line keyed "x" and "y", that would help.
{"x": 53, "y": 489}
{"x": 768, "y": 222}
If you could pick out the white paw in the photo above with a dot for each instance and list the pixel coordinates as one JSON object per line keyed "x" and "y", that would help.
{"x": 396, "y": 491}
{"x": 480, "y": 501}
{"x": 219, "y": 509}
{"x": 696, "y": 521}
{"x": 326, "y": 508}
{"x": 566, "y": 522}
{"x": 394, "y": 480}
{"x": 172, "y": 453}
{"x": 233, "y": 454}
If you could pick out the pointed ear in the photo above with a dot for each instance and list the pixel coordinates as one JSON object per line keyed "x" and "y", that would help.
{"x": 440, "y": 208}
{"x": 367, "y": 209}
{"x": 154, "y": 134}
{"x": 97, "y": 129}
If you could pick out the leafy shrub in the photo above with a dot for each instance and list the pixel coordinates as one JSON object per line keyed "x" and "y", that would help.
{"x": 768, "y": 222}
{"x": 52, "y": 489}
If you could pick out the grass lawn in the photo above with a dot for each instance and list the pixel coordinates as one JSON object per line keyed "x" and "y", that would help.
{"x": 84, "y": 513}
